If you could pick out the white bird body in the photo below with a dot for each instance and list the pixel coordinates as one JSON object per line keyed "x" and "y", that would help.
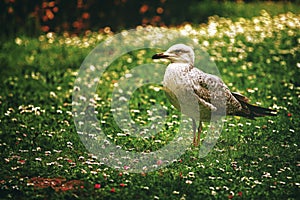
{"x": 178, "y": 86}
{"x": 201, "y": 96}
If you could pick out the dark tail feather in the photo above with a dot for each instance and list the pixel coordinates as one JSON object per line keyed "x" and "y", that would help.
{"x": 251, "y": 111}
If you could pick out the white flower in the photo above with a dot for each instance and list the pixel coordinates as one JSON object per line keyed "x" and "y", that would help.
{"x": 175, "y": 192}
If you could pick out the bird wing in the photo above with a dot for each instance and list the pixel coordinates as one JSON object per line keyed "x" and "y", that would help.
{"x": 212, "y": 92}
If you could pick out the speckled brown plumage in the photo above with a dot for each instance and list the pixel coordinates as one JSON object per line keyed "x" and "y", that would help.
{"x": 202, "y": 96}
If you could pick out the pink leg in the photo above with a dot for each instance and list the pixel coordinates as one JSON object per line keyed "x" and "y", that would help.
{"x": 194, "y": 132}
{"x": 199, "y": 133}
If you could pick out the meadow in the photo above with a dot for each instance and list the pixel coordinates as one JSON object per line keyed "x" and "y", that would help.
{"x": 42, "y": 156}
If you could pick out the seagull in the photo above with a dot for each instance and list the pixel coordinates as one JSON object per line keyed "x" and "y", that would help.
{"x": 200, "y": 95}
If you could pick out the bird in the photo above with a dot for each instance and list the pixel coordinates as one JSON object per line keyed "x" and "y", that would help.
{"x": 199, "y": 95}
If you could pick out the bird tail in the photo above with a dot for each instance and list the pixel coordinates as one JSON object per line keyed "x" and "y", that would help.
{"x": 251, "y": 111}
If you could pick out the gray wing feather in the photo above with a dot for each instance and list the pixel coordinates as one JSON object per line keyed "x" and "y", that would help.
{"x": 212, "y": 90}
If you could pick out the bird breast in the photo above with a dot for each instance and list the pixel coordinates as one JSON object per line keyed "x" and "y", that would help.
{"x": 179, "y": 90}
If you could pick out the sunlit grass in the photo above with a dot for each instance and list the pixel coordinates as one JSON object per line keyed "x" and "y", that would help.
{"x": 257, "y": 57}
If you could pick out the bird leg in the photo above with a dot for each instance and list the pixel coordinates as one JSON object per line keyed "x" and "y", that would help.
{"x": 199, "y": 133}
{"x": 194, "y": 132}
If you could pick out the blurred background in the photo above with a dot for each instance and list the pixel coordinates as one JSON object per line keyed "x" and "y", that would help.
{"x": 32, "y": 18}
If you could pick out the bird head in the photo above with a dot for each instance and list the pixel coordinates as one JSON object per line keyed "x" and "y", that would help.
{"x": 178, "y": 53}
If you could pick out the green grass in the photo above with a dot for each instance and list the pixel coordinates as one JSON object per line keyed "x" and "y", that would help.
{"x": 200, "y": 10}
{"x": 251, "y": 160}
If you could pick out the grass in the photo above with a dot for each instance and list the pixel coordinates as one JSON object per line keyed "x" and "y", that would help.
{"x": 200, "y": 10}
{"x": 42, "y": 156}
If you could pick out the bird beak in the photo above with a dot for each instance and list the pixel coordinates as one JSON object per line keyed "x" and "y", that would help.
{"x": 160, "y": 55}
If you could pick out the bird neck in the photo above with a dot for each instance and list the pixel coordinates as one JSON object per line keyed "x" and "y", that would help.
{"x": 187, "y": 66}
